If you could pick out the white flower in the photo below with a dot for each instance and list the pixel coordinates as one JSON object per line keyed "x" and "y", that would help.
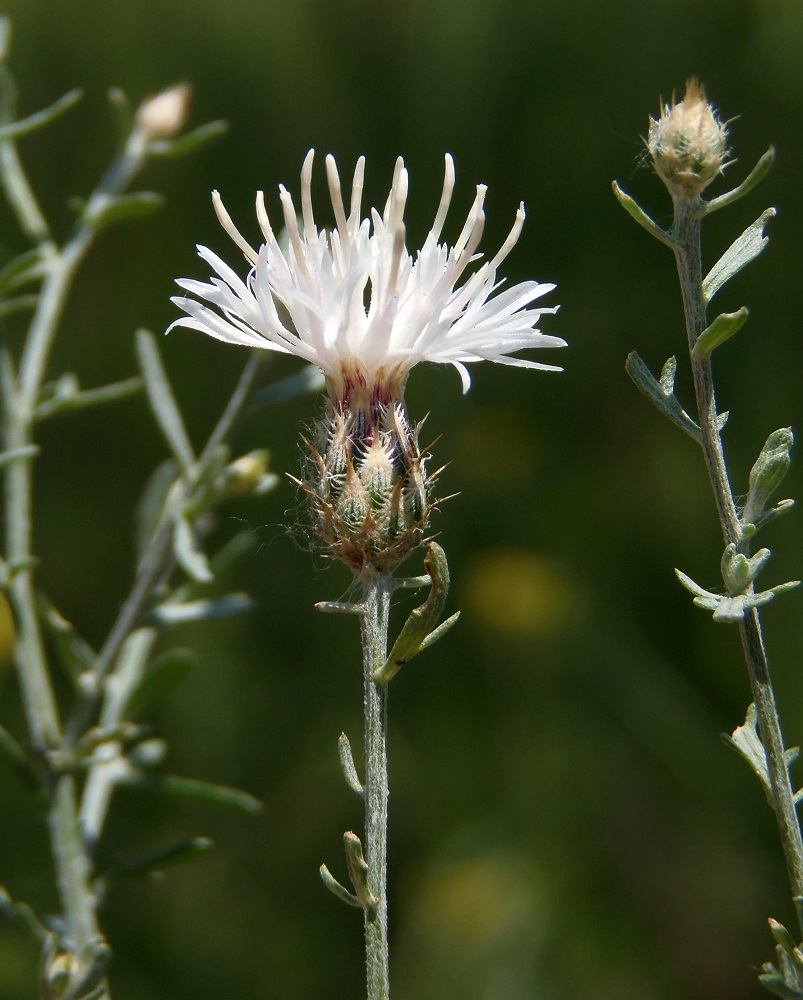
{"x": 361, "y": 307}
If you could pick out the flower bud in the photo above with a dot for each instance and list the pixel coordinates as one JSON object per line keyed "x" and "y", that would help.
{"x": 164, "y": 115}
{"x": 246, "y": 476}
{"x": 367, "y": 482}
{"x": 688, "y": 144}
{"x": 768, "y": 472}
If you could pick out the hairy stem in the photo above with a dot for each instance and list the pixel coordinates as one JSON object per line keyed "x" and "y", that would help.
{"x": 377, "y": 590}
{"x": 688, "y": 255}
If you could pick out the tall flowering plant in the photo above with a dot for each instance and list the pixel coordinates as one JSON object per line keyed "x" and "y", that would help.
{"x": 688, "y": 147}
{"x": 355, "y": 302}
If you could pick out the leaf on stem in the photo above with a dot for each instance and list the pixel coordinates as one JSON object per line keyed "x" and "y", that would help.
{"x": 358, "y": 873}
{"x": 738, "y": 255}
{"x": 103, "y": 212}
{"x": 219, "y": 796}
{"x": 420, "y": 631}
{"x": 16, "y": 757}
{"x": 756, "y": 175}
{"x": 190, "y": 141}
{"x": 337, "y": 889}
{"x": 722, "y": 329}
{"x": 661, "y": 393}
{"x": 637, "y": 212}
{"x": 747, "y": 743}
{"x": 153, "y": 503}
{"x": 162, "y": 400}
{"x": 18, "y": 454}
{"x": 347, "y": 765}
{"x": 39, "y": 119}
{"x": 155, "y": 863}
{"x": 173, "y": 613}
{"x": 189, "y": 552}
{"x": 23, "y": 270}
{"x": 76, "y": 657}
{"x": 67, "y": 396}
{"x": 23, "y": 914}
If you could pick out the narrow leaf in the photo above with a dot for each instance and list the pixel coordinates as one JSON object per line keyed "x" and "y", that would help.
{"x": 756, "y": 175}
{"x": 337, "y": 889}
{"x": 21, "y": 912}
{"x": 152, "y": 504}
{"x": 653, "y": 390}
{"x": 190, "y": 141}
{"x": 347, "y": 765}
{"x": 40, "y": 118}
{"x": 747, "y": 743}
{"x": 177, "y": 854}
{"x": 106, "y": 211}
{"x": 23, "y": 270}
{"x": 738, "y": 255}
{"x": 162, "y": 401}
{"x": 74, "y": 654}
{"x": 15, "y": 756}
{"x": 161, "y": 678}
{"x": 641, "y": 217}
{"x": 91, "y": 397}
{"x": 189, "y": 552}
{"x": 202, "y": 610}
{"x": 207, "y": 794}
{"x": 128, "y": 675}
{"x": 19, "y": 304}
{"x": 722, "y": 329}
{"x": 18, "y": 454}
{"x": 422, "y": 620}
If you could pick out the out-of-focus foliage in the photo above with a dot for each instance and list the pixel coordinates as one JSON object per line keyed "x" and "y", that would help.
{"x": 564, "y": 820}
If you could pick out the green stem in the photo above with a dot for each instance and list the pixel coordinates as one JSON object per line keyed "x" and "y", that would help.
{"x": 377, "y": 590}
{"x": 688, "y": 255}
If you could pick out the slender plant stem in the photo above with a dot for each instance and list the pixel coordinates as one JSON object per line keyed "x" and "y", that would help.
{"x": 377, "y": 590}
{"x": 688, "y": 255}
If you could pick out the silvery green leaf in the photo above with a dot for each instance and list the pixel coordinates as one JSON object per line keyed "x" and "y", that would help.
{"x": 18, "y": 454}
{"x": 153, "y": 503}
{"x": 90, "y": 397}
{"x": 420, "y": 631}
{"x": 23, "y": 270}
{"x": 347, "y": 765}
{"x": 207, "y": 794}
{"x": 74, "y": 655}
{"x": 190, "y": 141}
{"x": 15, "y": 756}
{"x": 738, "y": 255}
{"x": 21, "y": 912}
{"x": 162, "y": 401}
{"x": 122, "y": 208}
{"x": 18, "y": 304}
{"x": 756, "y": 175}
{"x": 747, "y": 743}
{"x": 40, "y": 118}
{"x": 722, "y": 329}
{"x": 167, "y": 857}
{"x": 337, "y": 889}
{"x": 172, "y": 613}
{"x": 666, "y": 382}
{"x": 654, "y": 391}
{"x": 189, "y": 553}
{"x": 768, "y": 473}
{"x": 641, "y": 217}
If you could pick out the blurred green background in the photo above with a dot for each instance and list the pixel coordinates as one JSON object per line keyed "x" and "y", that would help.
{"x": 564, "y": 820}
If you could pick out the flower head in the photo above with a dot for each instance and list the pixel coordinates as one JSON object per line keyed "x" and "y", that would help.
{"x": 355, "y": 302}
{"x": 688, "y": 143}
{"x": 361, "y": 307}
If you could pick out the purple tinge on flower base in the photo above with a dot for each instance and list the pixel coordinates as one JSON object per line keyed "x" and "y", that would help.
{"x": 365, "y": 310}
{"x": 361, "y": 306}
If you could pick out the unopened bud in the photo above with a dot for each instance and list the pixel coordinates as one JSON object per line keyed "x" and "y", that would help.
{"x": 688, "y": 144}
{"x": 367, "y": 480}
{"x": 246, "y": 476}
{"x": 768, "y": 472}
{"x": 164, "y": 115}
